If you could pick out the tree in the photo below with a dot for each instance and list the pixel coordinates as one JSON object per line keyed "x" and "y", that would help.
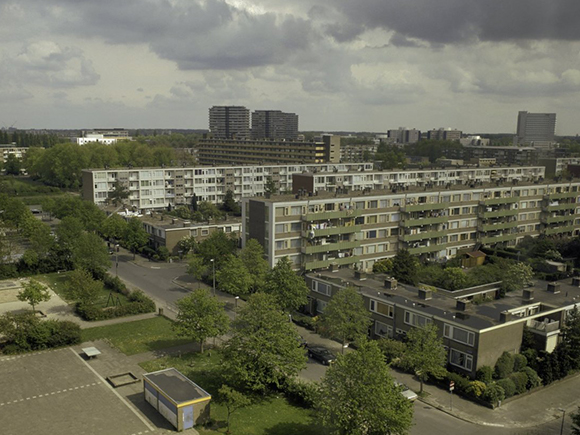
{"x": 82, "y": 287}
{"x": 206, "y": 211}
{"x": 425, "y": 355}
{"x": 119, "y": 193}
{"x": 91, "y": 253}
{"x": 201, "y": 316}
{"x": 218, "y": 246}
{"x": 113, "y": 227}
{"x": 252, "y": 255}
{"x": 232, "y": 400}
{"x": 453, "y": 278}
{"x": 346, "y": 317}
{"x": 383, "y": 266}
{"x": 405, "y": 267}
{"x": 358, "y": 396}
{"x": 230, "y": 205}
{"x": 135, "y": 237}
{"x": 576, "y": 422}
{"x": 235, "y": 278}
{"x": 264, "y": 350}
{"x": 288, "y": 288}
{"x": 270, "y": 187}
{"x": 34, "y": 293}
{"x": 12, "y": 165}
{"x": 516, "y": 275}
{"x": 197, "y": 268}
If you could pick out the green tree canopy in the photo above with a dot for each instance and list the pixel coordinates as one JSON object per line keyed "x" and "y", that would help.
{"x": 217, "y": 246}
{"x": 405, "y": 267}
{"x": 119, "y": 193}
{"x": 34, "y": 293}
{"x": 135, "y": 237}
{"x": 286, "y": 286}
{"x": 516, "y": 275}
{"x": 113, "y": 227}
{"x": 252, "y": 256}
{"x": 83, "y": 288}
{"x": 201, "y": 316}
{"x": 91, "y": 253}
{"x": 264, "y": 349}
{"x": 230, "y": 205}
{"x": 12, "y": 165}
{"x": 346, "y": 317}
{"x": 358, "y": 396}
{"x": 235, "y": 278}
{"x": 425, "y": 354}
{"x": 232, "y": 400}
{"x": 576, "y": 422}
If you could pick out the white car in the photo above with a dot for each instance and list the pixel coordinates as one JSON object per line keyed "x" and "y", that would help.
{"x": 406, "y": 392}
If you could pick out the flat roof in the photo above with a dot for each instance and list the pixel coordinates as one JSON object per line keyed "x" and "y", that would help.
{"x": 443, "y": 302}
{"x": 176, "y": 386}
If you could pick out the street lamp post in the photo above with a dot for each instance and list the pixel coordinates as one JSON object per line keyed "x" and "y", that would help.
{"x": 117, "y": 260}
{"x": 213, "y": 267}
{"x": 236, "y": 306}
{"x": 563, "y": 411}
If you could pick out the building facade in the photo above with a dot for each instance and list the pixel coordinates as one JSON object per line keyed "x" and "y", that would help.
{"x": 12, "y": 149}
{"x": 536, "y": 129}
{"x": 229, "y": 122}
{"x": 274, "y": 124}
{"x": 502, "y": 155}
{"x": 359, "y": 228}
{"x": 268, "y": 152}
{"x": 404, "y": 136}
{"x": 444, "y": 134}
{"x": 476, "y": 325}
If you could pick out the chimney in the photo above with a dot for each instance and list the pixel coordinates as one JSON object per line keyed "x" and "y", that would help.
{"x": 186, "y": 224}
{"x": 425, "y": 294}
{"x": 505, "y": 317}
{"x": 528, "y": 295}
{"x": 391, "y": 283}
{"x": 462, "y": 304}
{"x": 576, "y": 281}
{"x": 553, "y": 287}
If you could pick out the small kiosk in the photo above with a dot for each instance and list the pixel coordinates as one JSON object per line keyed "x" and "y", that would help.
{"x": 177, "y": 398}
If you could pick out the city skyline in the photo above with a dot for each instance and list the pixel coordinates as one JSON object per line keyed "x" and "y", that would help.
{"x": 371, "y": 67}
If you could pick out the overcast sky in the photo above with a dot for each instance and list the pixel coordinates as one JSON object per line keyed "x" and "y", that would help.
{"x": 356, "y": 65}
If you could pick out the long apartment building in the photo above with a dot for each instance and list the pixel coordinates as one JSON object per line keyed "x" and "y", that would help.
{"x": 475, "y": 324}
{"x": 151, "y": 188}
{"x": 359, "y": 228}
{"x": 268, "y": 152}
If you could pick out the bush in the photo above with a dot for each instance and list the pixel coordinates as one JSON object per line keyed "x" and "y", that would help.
{"x": 63, "y": 333}
{"x": 533, "y": 378}
{"x": 494, "y": 393}
{"x": 138, "y": 303}
{"x": 508, "y": 386}
{"x": 115, "y": 284}
{"x": 392, "y": 349}
{"x": 531, "y": 357}
{"x": 300, "y": 393}
{"x": 461, "y": 382}
{"x": 476, "y": 388}
{"x": 520, "y": 380}
{"x": 484, "y": 374}
{"x": 504, "y": 366}
{"x": 520, "y": 361}
{"x": 304, "y": 321}
{"x": 383, "y": 266}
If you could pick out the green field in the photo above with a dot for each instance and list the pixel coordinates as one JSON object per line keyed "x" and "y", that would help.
{"x": 269, "y": 416}
{"x": 138, "y": 336}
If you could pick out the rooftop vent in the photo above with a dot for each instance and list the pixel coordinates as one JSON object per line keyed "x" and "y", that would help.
{"x": 576, "y": 281}
{"x": 528, "y": 295}
{"x": 425, "y": 294}
{"x": 462, "y": 304}
{"x": 554, "y": 287}
{"x": 505, "y": 317}
{"x": 391, "y": 283}
{"x": 186, "y": 224}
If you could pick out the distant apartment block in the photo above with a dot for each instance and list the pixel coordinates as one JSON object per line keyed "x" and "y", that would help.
{"x": 555, "y": 166}
{"x": 12, "y": 149}
{"x": 274, "y": 124}
{"x": 476, "y": 141}
{"x": 404, "y": 136}
{"x": 340, "y": 230}
{"x": 444, "y": 134}
{"x": 356, "y": 152}
{"x": 535, "y": 129}
{"x": 229, "y": 122}
{"x": 268, "y": 152}
{"x": 105, "y": 136}
{"x": 503, "y": 155}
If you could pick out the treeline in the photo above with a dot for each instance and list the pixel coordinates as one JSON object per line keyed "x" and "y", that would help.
{"x": 23, "y": 139}
{"x": 62, "y": 164}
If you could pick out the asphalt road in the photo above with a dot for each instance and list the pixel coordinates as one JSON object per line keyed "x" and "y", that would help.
{"x": 156, "y": 281}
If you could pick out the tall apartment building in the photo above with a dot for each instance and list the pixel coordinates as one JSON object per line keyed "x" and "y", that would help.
{"x": 536, "y": 129}
{"x": 555, "y": 165}
{"x": 229, "y": 122}
{"x": 268, "y": 152}
{"x": 503, "y": 155}
{"x": 332, "y": 230}
{"x": 151, "y": 188}
{"x": 274, "y": 124}
{"x": 404, "y": 136}
{"x": 444, "y": 134}
{"x": 474, "y": 334}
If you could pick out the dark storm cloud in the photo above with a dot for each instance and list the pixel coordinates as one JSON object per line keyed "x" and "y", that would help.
{"x": 457, "y": 21}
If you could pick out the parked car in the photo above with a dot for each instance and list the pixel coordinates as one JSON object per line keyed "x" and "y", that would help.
{"x": 406, "y": 392}
{"x": 321, "y": 354}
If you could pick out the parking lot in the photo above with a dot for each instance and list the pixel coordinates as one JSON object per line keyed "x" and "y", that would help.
{"x": 58, "y": 392}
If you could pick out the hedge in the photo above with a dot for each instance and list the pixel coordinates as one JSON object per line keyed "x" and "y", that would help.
{"x": 508, "y": 387}
{"x": 138, "y": 303}
{"x": 299, "y": 392}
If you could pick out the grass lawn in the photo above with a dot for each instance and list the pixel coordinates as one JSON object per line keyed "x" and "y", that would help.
{"x": 271, "y": 416}
{"x": 138, "y": 336}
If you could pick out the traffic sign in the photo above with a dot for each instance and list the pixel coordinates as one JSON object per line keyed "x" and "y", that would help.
{"x": 451, "y": 385}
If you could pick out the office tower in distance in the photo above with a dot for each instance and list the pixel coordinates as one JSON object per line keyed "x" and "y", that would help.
{"x": 229, "y": 122}
{"x": 536, "y": 129}
{"x": 274, "y": 124}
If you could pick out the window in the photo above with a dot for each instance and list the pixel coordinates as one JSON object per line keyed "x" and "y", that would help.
{"x": 320, "y": 306}
{"x": 383, "y": 309}
{"x": 415, "y": 319}
{"x": 458, "y": 334}
{"x": 204, "y": 232}
{"x": 280, "y": 228}
{"x": 280, "y": 245}
{"x": 383, "y": 330}
{"x": 460, "y": 359}
{"x": 295, "y": 226}
{"x": 321, "y": 288}
{"x": 372, "y": 234}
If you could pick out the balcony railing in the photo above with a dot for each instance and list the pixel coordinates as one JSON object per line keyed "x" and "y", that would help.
{"x": 566, "y": 206}
{"x": 424, "y": 207}
{"x": 421, "y": 236}
{"x": 319, "y": 264}
{"x": 559, "y": 230}
{"x": 498, "y": 226}
{"x": 544, "y": 327}
{"x": 326, "y": 215}
{"x": 562, "y": 195}
{"x": 426, "y": 249}
{"x": 558, "y": 219}
{"x": 328, "y": 247}
{"x": 499, "y": 238}
{"x": 413, "y": 222}
{"x": 498, "y": 201}
{"x": 346, "y": 229}
{"x": 500, "y": 213}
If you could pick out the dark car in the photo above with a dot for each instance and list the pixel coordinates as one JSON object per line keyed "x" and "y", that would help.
{"x": 321, "y": 354}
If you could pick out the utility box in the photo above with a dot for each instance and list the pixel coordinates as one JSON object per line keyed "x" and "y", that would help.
{"x": 182, "y": 402}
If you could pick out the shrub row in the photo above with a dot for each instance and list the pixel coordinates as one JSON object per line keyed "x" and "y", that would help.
{"x": 299, "y": 392}
{"x": 138, "y": 303}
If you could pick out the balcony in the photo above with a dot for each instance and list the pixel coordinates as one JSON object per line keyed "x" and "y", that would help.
{"x": 426, "y": 249}
{"x": 566, "y": 206}
{"x": 327, "y": 215}
{"x": 413, "y": 222}
{"x": 346, "y": 229}
{"x": 319, "y": 264}
{"x": 498, "y": 201}
{"x": 559, "y": 230}
{"x": 500, "y": 213}
{"x": 498, "y": 226}
{"x": 424, "y": 207}
{"x": 558, "y": 219}
{"x": 562, "y": 195}
{"x": 421, "y": 236}
{"x": 328, "y": 247}
{"x": 490, "y": 240}
{"x": 546, "y": 327}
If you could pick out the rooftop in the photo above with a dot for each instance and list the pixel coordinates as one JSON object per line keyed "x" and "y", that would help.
{"x": 176, "y": 386}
